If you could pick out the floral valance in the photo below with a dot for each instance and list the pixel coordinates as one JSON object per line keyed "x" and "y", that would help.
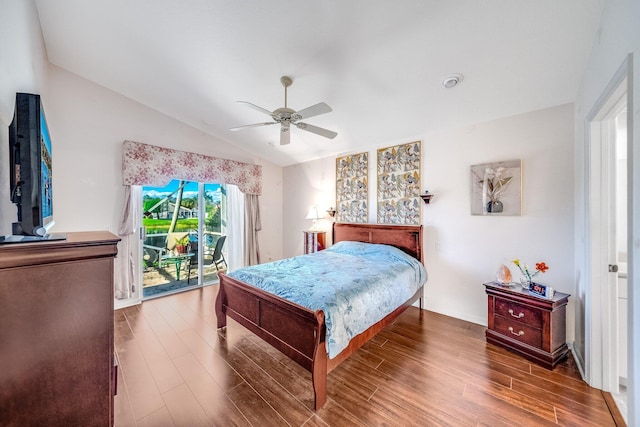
{"x": 144, "y": 164}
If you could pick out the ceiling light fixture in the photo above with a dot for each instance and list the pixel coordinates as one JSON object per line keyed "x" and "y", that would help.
{"x": 452, "y": 80}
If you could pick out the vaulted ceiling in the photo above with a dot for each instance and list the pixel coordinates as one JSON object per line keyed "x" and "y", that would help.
{"x": 379, "y": 65}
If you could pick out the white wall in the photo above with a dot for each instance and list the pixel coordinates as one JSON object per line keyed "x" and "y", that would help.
{"x": 463, "y": 251}
{"x": 88, "y": 124}
{"x": 22, "y": 69}
{"x": 305, "y": 185}
{"x": 619, "y": 35}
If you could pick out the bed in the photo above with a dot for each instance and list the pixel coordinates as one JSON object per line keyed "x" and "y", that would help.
{"x": 301, "y": 333}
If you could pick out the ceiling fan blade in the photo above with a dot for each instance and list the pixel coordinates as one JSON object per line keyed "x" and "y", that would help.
{"x": 255, "y": 107}
{"x": 317, "y": 130}
{"x": 285, "y": 134}
{"x": 253, "y": 125}
{"x": 314, "y": 110}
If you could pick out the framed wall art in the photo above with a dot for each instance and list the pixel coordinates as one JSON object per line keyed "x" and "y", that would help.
{"x": 496, "y": 188}
{"x": 352, "y": 188}
{"x": 399, "y": 184}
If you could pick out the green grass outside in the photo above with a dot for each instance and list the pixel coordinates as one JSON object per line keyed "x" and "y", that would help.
{"x": 156, "y": 226}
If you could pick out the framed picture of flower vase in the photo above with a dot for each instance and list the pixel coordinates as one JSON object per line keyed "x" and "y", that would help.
{"x": 352, "y": 188}
{"x": 399, "y": 184}
{"x": 496, "y": 188}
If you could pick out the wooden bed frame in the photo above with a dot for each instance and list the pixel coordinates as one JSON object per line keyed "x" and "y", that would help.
{"x": 299, "y": 332}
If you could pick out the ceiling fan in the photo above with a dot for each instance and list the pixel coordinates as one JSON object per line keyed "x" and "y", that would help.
{"x": 287, "y": 117}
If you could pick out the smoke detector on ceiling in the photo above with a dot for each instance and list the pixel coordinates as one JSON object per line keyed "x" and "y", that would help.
{"x": 452, "y": 80}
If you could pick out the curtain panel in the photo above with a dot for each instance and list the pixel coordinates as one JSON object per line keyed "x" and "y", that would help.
{"x": 129, "y": 222}
{"x": 235, "y": 227}
{"x": 252, "y": 225}
{"x": 144, "y": 164}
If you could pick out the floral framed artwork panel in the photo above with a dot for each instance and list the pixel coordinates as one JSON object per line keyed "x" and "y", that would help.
{"x": 496, "y": 188}
{"x": 352, "y": 188}
{"x": 399, "y": 184}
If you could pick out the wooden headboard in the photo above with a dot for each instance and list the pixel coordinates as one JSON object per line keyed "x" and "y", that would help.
{"x": 405, "y": 237}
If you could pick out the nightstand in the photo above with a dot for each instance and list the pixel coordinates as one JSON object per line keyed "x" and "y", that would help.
{"x": 531, "y": 326}
{"x": 314, "y": 241}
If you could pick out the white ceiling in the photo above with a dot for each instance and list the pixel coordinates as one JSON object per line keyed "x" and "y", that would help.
{"x": 379, "y": 65}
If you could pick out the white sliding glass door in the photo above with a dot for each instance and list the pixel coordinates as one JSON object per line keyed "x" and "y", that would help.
{"x": 182, "y": 223}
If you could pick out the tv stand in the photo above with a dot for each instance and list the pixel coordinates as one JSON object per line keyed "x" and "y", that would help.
{"x": 56, "y": 339}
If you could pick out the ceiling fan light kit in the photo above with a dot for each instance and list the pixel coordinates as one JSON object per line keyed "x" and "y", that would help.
{"x": 286, "y": 117}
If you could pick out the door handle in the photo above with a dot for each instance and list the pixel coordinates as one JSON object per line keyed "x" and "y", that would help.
{"x": 613, "y": 268}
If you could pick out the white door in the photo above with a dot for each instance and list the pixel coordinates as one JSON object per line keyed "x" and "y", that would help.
{"x": 621, "y": 240}
{"x": 608, "y": 240}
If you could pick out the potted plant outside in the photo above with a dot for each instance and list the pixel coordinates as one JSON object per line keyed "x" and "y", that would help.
{"x": 181, "y": 245}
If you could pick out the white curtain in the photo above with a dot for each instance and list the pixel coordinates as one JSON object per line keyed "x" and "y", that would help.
{"x": 235, "y": 227}
{"x": 252, "y": 225}
{"x": 127, "y": 248}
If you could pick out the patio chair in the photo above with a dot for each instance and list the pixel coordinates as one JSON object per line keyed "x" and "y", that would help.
{"x": 218, "y": 257}
{"x": 207, "y": 259}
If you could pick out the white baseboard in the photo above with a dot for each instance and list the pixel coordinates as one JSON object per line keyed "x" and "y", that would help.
{"x": 124, "y": 303}
{"x": 457, "y": 315}
{"x": 579, "y": 362}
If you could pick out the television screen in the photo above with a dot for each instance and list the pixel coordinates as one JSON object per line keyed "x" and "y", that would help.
{"x": 45, "y": 169}
{"x": 31, "y": 167}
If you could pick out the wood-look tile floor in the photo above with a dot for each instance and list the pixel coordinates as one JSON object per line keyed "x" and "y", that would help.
{"x": 424, "y": 370}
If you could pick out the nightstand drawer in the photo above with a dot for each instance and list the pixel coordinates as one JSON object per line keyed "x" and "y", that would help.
{"x": 519, "y": 312}
{"x": 518, "y": 331}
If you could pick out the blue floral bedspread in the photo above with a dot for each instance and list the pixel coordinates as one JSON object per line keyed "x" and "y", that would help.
{"x": 355, "y": 284}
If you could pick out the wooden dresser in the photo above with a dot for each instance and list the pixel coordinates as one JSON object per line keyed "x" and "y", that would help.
{"x": 56, "y": 331}
{"x": 532, "y": 326}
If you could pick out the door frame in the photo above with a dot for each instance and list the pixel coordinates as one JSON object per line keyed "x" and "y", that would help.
{"x": 601, "y": 297}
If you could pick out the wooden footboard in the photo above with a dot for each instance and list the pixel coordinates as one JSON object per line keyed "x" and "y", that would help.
{"x": 296, "y": 331}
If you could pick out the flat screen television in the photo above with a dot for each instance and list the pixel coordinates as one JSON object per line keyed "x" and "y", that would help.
{"x": 30, "y": 167}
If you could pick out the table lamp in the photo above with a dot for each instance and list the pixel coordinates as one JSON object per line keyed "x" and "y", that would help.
{"x": 314, "y": 214}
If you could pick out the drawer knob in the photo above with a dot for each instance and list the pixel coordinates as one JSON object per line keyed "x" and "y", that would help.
{"x": 518, "y": 334}
{"x": 519, "y": 316}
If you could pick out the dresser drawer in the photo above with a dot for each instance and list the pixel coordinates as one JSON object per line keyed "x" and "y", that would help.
{"x": 519, "y": 312}
{"x": 518, "y": 331}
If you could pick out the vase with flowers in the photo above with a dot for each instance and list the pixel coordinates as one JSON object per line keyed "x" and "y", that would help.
{"x": 527, "y": 275}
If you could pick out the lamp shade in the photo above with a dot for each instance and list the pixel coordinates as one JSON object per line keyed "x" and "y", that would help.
{"x": 313, "y": 213}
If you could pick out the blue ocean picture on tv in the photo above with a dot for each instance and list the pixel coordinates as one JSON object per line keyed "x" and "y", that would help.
{"x": 45, "y": 168}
